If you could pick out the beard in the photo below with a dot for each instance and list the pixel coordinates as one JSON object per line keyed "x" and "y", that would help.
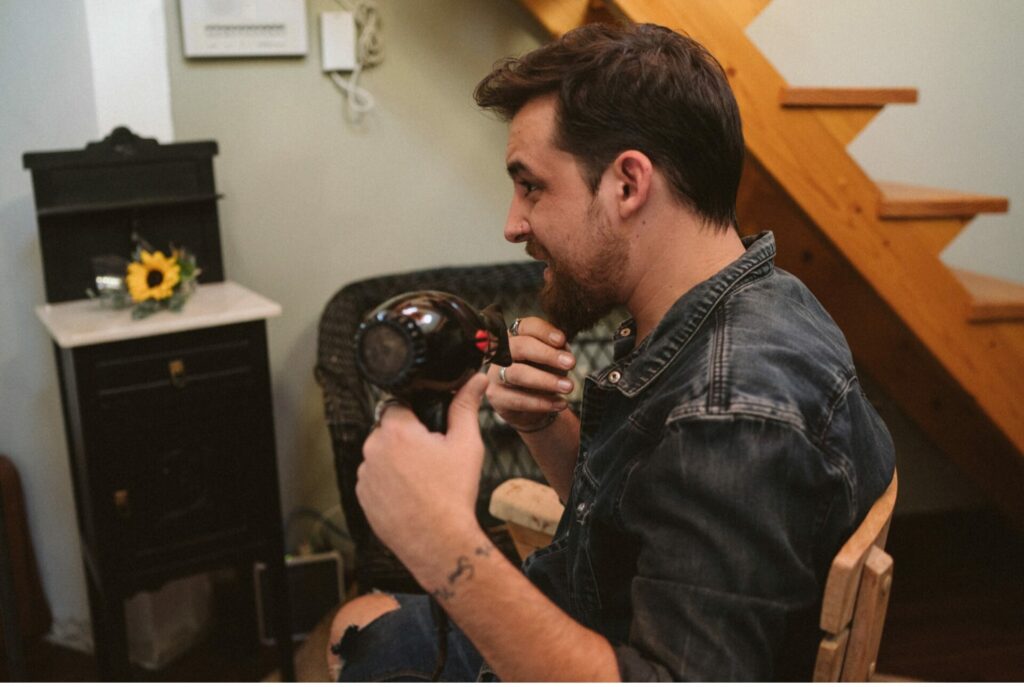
{"x": 575, "y": 299}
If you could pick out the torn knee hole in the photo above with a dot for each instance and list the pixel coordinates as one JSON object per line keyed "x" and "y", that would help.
{"x": 347, "y": 641}
{"x": 343, "y": 646}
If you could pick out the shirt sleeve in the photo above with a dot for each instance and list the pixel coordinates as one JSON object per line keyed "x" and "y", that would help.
{"x": 738, "y": 518}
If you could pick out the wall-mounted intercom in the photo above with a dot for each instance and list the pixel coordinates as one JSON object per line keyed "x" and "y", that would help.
{"x": 244, "y": 28}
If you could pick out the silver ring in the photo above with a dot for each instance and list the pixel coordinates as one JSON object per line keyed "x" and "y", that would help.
{"x": 514, "y": 330}
{"x": 382, "y": 405}
{"x": 501, "y": 374}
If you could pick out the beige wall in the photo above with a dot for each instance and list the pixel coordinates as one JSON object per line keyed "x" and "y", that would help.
{"x": 314, "y": 202}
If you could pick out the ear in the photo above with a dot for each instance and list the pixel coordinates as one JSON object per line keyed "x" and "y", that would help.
{"x": 632, "y": 173}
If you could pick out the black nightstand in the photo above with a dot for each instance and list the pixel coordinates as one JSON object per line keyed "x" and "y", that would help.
{"x": 169, "y": 420}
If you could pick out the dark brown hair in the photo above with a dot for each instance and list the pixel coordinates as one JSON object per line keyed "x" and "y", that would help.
{"x": 634, "y": 87}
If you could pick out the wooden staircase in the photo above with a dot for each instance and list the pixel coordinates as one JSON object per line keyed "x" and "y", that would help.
{"x": 946, "y": 345}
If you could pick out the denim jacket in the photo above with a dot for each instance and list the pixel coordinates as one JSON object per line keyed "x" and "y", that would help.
{"x": 722, "y": 464}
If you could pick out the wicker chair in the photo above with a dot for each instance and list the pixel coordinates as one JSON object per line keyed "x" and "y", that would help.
{"x": 349, "y": 402}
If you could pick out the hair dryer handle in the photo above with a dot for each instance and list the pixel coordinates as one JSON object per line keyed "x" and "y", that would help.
{"x": 432, "y": 410}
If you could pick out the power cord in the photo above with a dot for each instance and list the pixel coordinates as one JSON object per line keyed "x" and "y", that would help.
{"x": 322, "y": 520}
{"x": 369, "y": 53}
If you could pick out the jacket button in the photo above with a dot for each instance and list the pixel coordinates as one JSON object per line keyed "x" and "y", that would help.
{"x": 614, "y": 376}
{"x": 625, "y": 331}
{"x": 581, "y": 513}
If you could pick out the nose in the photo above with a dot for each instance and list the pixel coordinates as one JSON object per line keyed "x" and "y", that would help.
{"x": 517, "y": 228}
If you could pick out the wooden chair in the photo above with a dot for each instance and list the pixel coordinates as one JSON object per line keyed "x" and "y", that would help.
{"x": 856, "y": 591}
{"x": 856, "y": 598}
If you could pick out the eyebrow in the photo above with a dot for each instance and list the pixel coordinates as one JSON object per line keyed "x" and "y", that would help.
{"x": 517, "y": 168}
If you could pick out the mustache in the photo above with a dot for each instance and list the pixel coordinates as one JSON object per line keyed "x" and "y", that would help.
{"x": 537, "y": 252}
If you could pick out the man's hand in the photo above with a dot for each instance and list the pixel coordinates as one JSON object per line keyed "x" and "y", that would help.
{"x": 529, "y": 393}
{"x": 418, "y": 490}
{"x": 417, "y": 486}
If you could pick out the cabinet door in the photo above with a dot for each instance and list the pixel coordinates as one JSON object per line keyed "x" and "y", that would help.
{"x": 185, "y": 437}
{"x": 175, "y": 468}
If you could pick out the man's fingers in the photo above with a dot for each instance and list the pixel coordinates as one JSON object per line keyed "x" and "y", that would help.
{"x": 542, "y": 331}
{"x": 509, "y": 399}
{"x": 463, "y": 414}
{"x": 533, "y": 379}
{"x": 532, "y": 351}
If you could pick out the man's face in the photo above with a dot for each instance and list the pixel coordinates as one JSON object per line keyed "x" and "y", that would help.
{"x": 562, "y": 223}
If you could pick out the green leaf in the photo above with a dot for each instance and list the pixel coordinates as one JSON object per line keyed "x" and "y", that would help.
{"x": 145, "y": 309}
{"x": 177, "y": 301}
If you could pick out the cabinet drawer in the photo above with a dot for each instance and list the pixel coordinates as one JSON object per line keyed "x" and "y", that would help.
{"x": 174, "y": 368}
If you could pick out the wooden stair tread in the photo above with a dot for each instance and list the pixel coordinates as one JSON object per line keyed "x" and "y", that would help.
{"x": 803, "y": 96}
{"x": 905, "y": 201}
{"x": 844, "y": 111}
{"x": 992, "y": 298}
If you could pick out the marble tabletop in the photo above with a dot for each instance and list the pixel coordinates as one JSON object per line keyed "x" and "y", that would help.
{"x": 85, "y": 322}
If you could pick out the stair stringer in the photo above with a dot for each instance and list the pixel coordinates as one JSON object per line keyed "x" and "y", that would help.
{"x": 884, "y": 346}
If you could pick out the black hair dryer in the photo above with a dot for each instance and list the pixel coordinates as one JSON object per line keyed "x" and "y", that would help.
{"x": 421, "y": 347}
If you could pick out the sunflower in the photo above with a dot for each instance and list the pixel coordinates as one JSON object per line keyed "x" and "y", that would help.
{"x": 153, "y": 276}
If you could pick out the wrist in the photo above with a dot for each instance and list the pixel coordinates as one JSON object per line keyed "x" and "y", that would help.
{"x": 439, "y": 544}
{"x": 541, "y": 424}
{"x": 454, "y": 550}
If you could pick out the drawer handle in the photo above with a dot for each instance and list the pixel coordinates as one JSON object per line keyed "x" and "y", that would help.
{"x": 176, "y": 368}
{"x": 121, "y": 503}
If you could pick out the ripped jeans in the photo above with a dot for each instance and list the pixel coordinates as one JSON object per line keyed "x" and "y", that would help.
{"x": 401, "y": 646}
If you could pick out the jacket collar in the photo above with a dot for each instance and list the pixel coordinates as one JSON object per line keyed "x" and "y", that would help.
{"x": 633, "y": 369}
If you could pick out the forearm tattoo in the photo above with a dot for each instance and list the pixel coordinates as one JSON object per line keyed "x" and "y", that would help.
{"x": 463, "y": 571}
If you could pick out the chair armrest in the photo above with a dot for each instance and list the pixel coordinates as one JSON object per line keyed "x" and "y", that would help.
{"x": 528, "y": 504}
{"x": 531, "y": 510}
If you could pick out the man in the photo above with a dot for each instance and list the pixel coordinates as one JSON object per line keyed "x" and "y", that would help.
{"x": 718, "y": 463}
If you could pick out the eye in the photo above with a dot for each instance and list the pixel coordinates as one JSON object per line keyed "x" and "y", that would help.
{"x": 528, "y": 187}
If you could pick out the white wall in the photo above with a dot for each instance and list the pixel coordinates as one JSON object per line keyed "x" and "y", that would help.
{"x": 128, "y": 51}
{"x": 313, "y": 203}
{"x": 46, "y": 102}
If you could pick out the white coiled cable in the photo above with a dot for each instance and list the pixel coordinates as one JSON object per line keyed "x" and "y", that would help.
{"x": 369, "y": 53}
